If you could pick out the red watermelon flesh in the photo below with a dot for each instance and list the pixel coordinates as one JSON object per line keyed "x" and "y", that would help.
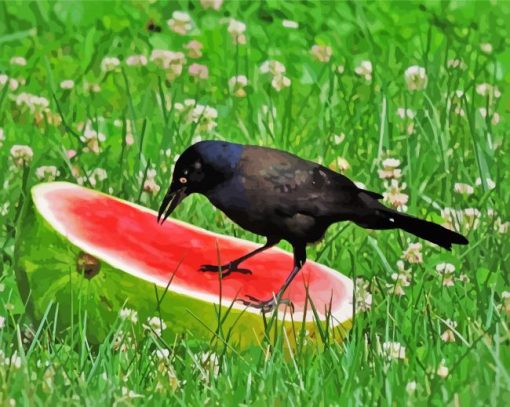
{"x": 128, "y": 237}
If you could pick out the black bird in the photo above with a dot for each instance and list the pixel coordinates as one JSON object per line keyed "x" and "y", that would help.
{"x": 283, "y": 197}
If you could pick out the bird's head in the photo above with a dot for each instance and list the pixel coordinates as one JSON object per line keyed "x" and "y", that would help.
{"x": 200, "y": 168}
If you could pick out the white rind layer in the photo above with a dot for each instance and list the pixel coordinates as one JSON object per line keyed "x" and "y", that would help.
{"x": 342, "y": 313}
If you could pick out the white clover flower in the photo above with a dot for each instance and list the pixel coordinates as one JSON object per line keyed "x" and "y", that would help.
{"x": 151, "y": 173}
{"x": 488, "y": 90}
{"x": 185, "y": 107}
{"x": 100, "y": 174}
{"x": 394, "y": 195}
{"x": 14, "y": 361}
{"x": 411, "y": 387}
{"x": 459, "y": 111}
{"x": 397, "y": 288}
{"x": 180, "y": 23}
{"x": 338, "y": 138}
{"x": 237, "y": 85}
{"x": 393, "y": 350}
{"x": 390, "y": 169}
{"x": 448, "y": 335}
{"x": 416, "y": 78}
{"x": 194, "y": 48}
{"x": 363, "y": 296}
{"x": 214, "y": 4}
{"x": 391, "y": 163}
{"x": 205, "y": 116}
{"x": 442, "y": 370}
{"x": 91, "y": 87}
{"x": 280, "y": 82}
{"x": 92, "y": 139}
{"x": 322, "y": 53}
{"x": 209, "y": 361}
{"x": 198, "y": 71}
{"x": 20, "y": 61}
{"x": 21, "y": 155}
{"x": 67, "y": 84}
{"x": 290, "y": 24}
{"x": 130, "y": 394}
{"x": 486, "y": 47}
{"x": 156, "y": 325}
{"x": 459, "y": 93}
{"x": 164, "y": 58}
{"x": 273, "y": 67}
{"x": 401, "y": 280}
{"x": 236, "y": 29}
{"x": 48, "y": 376}
{"x": 95, "y": 176}
{"x": 47, "y": 172}
{"x": 109, "y": 64}
{"x": 495, "y": 118}
{"x": 501, "y": 227}
{"x": 172, "y": 62}
{"x": 413, "y": 253}
{"x": 136, "y": 60}
{"x": 196, "y": 139}
{"x": 4, "y": 79}
{"x": 447, "y": 272}
{"x": 121, "y": 342}
{"x": 162, "y": 354}
{"x": 462, "y": 188}
{"x": 452, "y": 218}
{"x": 405, "y": 113}
{"x": 364, "y": 69}
{"x": 193, "y": 112}
{"x": 13, "y": 83}
{"x": 34, "y": 103}
{"x": 505, "y": 302}
{"x": 151, "y": 186}
{"x": 129, "y": 314}
{"x": 266, "y": 112}
{"x": 472, "y": 218}
{"x": 340, "y": 164}
{"x": 456, "y": 64}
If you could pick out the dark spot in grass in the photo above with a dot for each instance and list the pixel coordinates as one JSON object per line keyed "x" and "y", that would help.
{"x": 87, "y": 265}
{"x": 153, "y": 27}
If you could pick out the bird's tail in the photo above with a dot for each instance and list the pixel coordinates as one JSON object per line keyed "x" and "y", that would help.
{"x": 428, "y": 230}
{"x": 387, "y": 218}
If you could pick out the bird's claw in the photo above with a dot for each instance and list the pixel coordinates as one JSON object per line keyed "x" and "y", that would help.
{"x": 225, "y": 270}
{"x": 266, "y": 305}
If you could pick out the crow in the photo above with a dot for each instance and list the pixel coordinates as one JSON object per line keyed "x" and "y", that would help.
{"x": 281, "y": 196}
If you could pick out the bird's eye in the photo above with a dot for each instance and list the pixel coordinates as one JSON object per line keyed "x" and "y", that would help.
{"x": 183, "y": 180}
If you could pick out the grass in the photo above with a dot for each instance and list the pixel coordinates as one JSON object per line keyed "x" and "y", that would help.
{"x": 136, "y": 109}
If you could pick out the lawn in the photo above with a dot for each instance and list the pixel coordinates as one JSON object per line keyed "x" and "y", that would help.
{"x": 407, "y": 98}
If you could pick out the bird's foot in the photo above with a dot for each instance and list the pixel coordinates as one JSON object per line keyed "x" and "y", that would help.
{"x": 267, "y": 305}
{"x": 225, "y": 270}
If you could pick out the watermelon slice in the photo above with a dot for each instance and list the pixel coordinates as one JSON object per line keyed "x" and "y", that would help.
{"x": 92, "y": 252}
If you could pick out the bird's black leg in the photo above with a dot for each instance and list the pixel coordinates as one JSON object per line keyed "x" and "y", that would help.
{"x": 233, "y": 266}
{"x": 268, "y": 305}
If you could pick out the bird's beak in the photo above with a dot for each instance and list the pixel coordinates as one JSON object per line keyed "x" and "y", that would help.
{"x": 173, "y": 197}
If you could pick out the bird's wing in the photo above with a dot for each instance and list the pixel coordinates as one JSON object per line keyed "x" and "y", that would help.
{"x": 300, "y": 186}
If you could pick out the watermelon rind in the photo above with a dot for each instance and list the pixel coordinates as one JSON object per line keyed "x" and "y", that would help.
{"x": 49, "y": 270}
